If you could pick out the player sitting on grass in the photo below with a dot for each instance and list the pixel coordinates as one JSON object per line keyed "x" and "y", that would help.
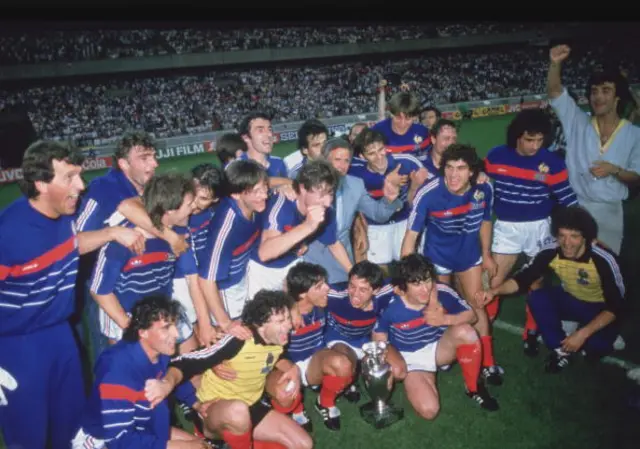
{"x": 430, "y": 325}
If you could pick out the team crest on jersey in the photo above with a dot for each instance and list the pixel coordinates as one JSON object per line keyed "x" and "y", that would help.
{"x": 543, "y": 170}
{"x": 583, "y": 277}
{"x": 268, "y": 364}
{"x": 478, "y": 195}
{"x": 418, "y": 140}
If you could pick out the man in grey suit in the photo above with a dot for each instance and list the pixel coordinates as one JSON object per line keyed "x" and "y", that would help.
{"x": 352, "y": 197}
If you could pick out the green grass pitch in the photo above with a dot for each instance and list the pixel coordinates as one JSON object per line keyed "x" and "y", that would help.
{"x": 583, "y": 408}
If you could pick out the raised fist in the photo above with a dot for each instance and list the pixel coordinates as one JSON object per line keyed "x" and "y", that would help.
{"x": 559, "y": 53}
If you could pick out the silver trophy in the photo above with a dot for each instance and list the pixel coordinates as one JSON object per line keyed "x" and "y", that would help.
{"x": 376, "y": 373}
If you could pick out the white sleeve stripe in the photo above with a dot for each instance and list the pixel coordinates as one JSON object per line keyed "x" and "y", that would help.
{"x": 206, "y": 352}
{"x": 273, "y": 214}
{"x": 86, "y": 213}
{"x": 615, "y": 269}
{"x": 417, "y": 198}
{"x": 216, "y": 254}
{"x": 102, "y": 259}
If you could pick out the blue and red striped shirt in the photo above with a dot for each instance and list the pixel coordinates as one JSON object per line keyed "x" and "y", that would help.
{"x": 38, "y": 269}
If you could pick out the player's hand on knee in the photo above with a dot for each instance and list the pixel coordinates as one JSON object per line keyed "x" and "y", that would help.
{"x": 224, "y": 372}
{"x": 156, "y": 390}
{"x": 483, "y": 297}
{"x": 203, "y": 407}
{"x": 490, "y": 266}
{"x": 288, "y": 386}
{"x": 574, "y": 342}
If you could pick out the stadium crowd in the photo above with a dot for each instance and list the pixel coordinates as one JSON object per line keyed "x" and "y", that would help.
{"x": 231, "y": 290}
{"x": 96, "y": 114}
{"x": 75, "y": 45}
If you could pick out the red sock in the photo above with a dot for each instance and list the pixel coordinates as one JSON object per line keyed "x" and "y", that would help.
{"x": 331, "y": 388}
{"x": 530, "y": 326}
{"x": 492, "y": 308}
{"x": 258, "y": 444}
{"x": 470, "y": 359}
{"x": 235, "y": 441}
{"x": 487, "y": 351}
{"x": 295, "y": 407}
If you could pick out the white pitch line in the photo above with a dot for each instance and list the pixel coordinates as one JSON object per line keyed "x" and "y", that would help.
{"x": 517, "y": 330}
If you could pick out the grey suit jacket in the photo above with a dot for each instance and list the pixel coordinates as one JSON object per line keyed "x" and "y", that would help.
{"x": 351, "y": 197}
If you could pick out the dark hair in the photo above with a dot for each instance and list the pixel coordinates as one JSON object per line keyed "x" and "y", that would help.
{"x": 467, "y": 153}
{"x": 314, "y": 174}
{"x": 227, "y": 145}
{"x": 367, "y": 137}
{"x": 441, "y": 123}
{"x": 147, "y": 311}
{"x": 37, "y": 163}
{"x": 165, "y": 192}
{"x": 242, "y": 175}
{"x": 431, "y": 108}
{"x": 264, "y": 305}
{"x": 531, "y": 121}
{"x": 311, "y": 127}
{"x": 244, "y": 128}
{"x": 406, "y": 103}
{"x": 610, "y": 74}
{"x": 128, "y": 141}
{"x": 208, "y": 176}
{"x": 335, "y": 143}
{"x": 369, "y": 271}
{"x": 412, "y": 268}
{"x": 302, "y": 276}
{"x": 363, "y": 124}
{"x": 575, "y": 218}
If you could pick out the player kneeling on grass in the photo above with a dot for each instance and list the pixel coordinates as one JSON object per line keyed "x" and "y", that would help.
{"x": 431, "y": 326}
{"x": 117, "y": 416}
{"x": 353, "y": 310}
{"x": 240, "y": 410}
{"x": 591, "y": 289}
{"x": 318, "y": 365}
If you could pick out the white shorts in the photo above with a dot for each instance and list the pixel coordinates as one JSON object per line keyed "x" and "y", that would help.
{"x": 182, "y": 295}
{"x": 523, "y": 237}
{"x": 110, "y": 329}
{"x": 423, "y": 359}
{"x": 261, "y": 277}
{"x": 234, "y": 299}
{"x": 444, "y": 271}
{"x": 385, "y": 242}
{"x": 303, "y": 366}
{"x": 83, "y": 441}
{"x": 359, "y": 352}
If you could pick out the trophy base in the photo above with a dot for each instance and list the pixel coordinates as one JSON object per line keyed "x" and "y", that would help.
{"x": 381, "y": 418}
